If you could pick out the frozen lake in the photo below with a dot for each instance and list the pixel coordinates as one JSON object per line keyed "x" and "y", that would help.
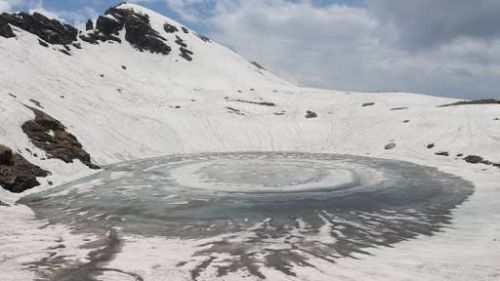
{"x": 326, "y": 205}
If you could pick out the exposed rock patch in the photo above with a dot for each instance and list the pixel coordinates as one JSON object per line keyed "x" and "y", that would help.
{"x": 234, "y": 110}
{"x": 399, "y": 108}
{"x": 43, "y": 43}
{"x": 50, "y": 30}
{"x": 390, "y": 146}
{"x": 257, "y": 65}
{"x": 203, "y": 38}
{"x": 5, "y": 155}
{"x": 16, "y": 173}
{"x": 138, "y": 30}
{"x": 170, "y": 28}
{"x": 5, "y": 29}
{"x": 442, "y": 153}
{"x": 311, "y": 114}
{"x": 481, "y": 101}
{"x": 474, "y": 159}
{"x": 50, "y": 135}
{"x": 368, "y": 104}
{"x": 179, "y": 41}
{"x": 264, "y": 103}
{"x": 186, "y": 54}
{"x": 89, "y": 25}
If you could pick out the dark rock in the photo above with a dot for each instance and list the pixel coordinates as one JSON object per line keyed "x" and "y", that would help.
{"x": 124, "y": 67}
{"x": 203, "y": 38}
{"x": 185, "y": 30}
{"x": 442, "y": 153}
{"x": 95, "y": 37}
{"x": 186, "y": 54}
{"x": 37, "y": 103}
{"x": 12, "y": 95}
{"x": 19, "y": 175}
{"x": 390, "y": 146}
{"x": 368, "y": 104}
{"x": 311, "y": 114}
{"x": 43, "y": 43}
{"x": 234, "y": 110}
{"x": 179, "y": 41}
{"x": 460, "y": 155}
{"x": 406, "y": 121}
{"x": 50, "y": 30}
{"x": 50, "y": 135}
{"x": 108, "y": 25}
{"x": 89, "y": 25}
{"x": 5, "y": 29}
{"x": 474, "y": 159}
{"x": 471, "y": 102}
{"x": 259, "y": 67}
{"x": 398, "y": 108}
{"x": 264, "y": 103}
{"x": 5, "y": 155}
{"x": 65, "y": 52}
{"x": 496, "y": 119}
{"x": 170, "y": 28}
{"x": 429, "y": 146}
{"x": 139, "y": 32}
{"x": 77, "y": 45}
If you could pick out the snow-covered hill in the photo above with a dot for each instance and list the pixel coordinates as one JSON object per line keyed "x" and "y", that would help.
{"x": 123, "y": 100}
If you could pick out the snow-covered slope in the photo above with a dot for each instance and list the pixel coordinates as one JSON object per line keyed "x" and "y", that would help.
{"x": 123, "y": 104}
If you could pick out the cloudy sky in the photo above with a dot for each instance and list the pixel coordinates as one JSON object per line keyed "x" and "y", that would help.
{"x": 439, "y": 47}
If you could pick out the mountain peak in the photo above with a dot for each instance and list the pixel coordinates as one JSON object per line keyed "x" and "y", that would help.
{"x": 117, "y": 35}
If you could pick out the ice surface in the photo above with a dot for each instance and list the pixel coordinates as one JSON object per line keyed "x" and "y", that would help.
{"x": 288, "y": 205}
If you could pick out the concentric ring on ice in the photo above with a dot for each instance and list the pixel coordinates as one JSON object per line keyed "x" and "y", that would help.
{"x": 264, "y": 176}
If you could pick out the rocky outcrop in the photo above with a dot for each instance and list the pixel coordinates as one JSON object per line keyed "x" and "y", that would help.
{"x": 108, "y": 25}
{"x": 5, "y": 29}
{"x": 138, "y": 30}
{"x": 50, "y": 135}
{"x": 50, "y": 30}
{"x": 16, "y": 173}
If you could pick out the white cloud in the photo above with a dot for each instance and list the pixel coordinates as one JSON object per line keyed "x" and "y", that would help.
{"x": 348, "y": 48}
{"x": 6, "y": 5}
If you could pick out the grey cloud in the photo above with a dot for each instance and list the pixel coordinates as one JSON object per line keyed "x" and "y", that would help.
{"x": 343, "y": 48}
{"x": 429, "y": 23}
